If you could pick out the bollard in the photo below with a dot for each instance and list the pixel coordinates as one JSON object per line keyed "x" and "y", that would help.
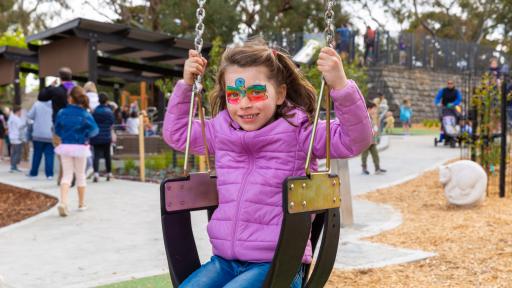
{"x": 142, "y": 162}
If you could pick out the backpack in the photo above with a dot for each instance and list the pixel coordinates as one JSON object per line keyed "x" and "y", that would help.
{"x": 370, "y": 36}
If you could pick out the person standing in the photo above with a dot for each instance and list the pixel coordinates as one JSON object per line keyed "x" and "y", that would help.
{"x": 16, "y": 127}
{"x": 372, "y": 149}
{"x": 104, "y": 117}
{"x": 92, "y": 94}
{"x": 447, "y": 97}
{"x": 59, "y": 97}
{"x": 132, "y": 124}
{"x": 3, "y": 133}
{"x": 369, "y": 44}
{"x": 75, "y": 126}
{"x": 41, "y": 114}
{"x": 345, "y": 35}
{"x": 406, "y": 115}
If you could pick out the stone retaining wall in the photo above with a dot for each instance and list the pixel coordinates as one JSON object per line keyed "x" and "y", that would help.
{"x": 420, "y": 86}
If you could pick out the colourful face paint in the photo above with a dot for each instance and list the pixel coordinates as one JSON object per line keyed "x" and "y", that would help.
{"x": 255, "y": 93}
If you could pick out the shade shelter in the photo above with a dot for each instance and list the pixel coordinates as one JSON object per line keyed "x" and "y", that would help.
{"x": 11, "y": 60}
{"x": 98, "y": 50}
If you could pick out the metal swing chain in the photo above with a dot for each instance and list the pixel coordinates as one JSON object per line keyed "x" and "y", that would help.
{"x": 197, "y": 90}
{"x": 329, "y": 35}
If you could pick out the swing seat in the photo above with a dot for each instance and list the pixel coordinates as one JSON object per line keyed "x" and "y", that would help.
{"x": 179, "y": 196}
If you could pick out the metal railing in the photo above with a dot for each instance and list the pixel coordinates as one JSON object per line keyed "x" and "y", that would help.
{"x": 407, "y": 49}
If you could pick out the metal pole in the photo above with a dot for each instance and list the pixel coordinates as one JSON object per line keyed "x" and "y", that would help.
{"x": 117, "y": 94}
{"x": 142, "y": 160}
{"x": 93, "y": 62}
{"x": 503, "y": 156}
{"x": 17, "y": 88}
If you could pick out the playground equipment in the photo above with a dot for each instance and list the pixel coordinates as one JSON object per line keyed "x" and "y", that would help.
{"x": 316, "y": 194}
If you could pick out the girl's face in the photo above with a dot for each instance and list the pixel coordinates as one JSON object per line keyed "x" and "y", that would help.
{"x": 251, "y": 97}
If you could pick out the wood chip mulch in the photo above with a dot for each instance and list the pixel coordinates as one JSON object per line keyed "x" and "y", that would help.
{"x": 474, "y": 245}
{"x": 17, "y": 204}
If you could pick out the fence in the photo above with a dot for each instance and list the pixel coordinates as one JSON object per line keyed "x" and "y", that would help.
{"x": 407, "y": 49}
{"x": 146, "y": 156}
{"x": 425, "y": 51}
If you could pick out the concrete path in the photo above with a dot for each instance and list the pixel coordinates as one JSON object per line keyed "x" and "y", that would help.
{"x": 119, "y": 237}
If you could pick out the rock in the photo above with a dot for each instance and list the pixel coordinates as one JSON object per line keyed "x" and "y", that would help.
{"x": 464, "y": 181}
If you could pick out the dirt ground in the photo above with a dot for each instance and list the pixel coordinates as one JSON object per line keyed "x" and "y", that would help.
{"x": 474, "y": 245}
{"x": 17, "y": 204}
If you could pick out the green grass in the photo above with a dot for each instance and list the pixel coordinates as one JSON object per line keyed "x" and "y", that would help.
{"x": 159, "y": 281}
{"x": 415, "y": 131}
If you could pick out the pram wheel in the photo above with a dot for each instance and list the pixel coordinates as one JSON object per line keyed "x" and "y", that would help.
{"x": 435, "y": 142}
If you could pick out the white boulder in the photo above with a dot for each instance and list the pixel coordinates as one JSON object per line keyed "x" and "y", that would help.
{"x": 464, "y": 181}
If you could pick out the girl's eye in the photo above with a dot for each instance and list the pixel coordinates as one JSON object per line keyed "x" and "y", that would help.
{"x": 233, "y": 97}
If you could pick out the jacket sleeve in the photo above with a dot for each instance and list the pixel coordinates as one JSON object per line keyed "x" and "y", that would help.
{"x": 459, "y": 97}
{"x": 439, "y": 96}
{"x": 111, "y": 118}
{"x": 92, "y": 127}
{"x": 32, "y": 112}
{"x": 176, "y": 122}
{"x": 351, "y": 132}
{"x": 58, "y": 124}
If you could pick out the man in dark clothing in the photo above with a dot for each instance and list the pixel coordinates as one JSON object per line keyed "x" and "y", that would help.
{"x": 59, "y": 97}
{"x": 343, "y": 45}
{"x": 447, "y": 98}
{"x": 58, "y": 94}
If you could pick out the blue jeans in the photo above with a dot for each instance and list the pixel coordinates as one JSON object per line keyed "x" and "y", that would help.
{"x": 15, "y": 155}
{"x": 219, "y": 272}
{"x": 41, "y": 148}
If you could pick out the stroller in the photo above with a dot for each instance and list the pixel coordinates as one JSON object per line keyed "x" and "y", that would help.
{"x": 450, "y": 130}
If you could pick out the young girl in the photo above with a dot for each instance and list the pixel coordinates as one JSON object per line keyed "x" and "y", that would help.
{"x": 74, "y": 125}
{"x": 260, "y": 135}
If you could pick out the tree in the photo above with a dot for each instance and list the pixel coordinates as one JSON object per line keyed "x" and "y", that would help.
{"x": 468, "y": 20}
{"x": 27, "y": 15}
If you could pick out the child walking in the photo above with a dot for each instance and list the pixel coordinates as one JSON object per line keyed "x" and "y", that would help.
{"x": 75, "y": 126}
{"x": 406, "y": 115}
{"x": 372, "y": 149}
{"x": 263, "y": 110}
{"x": 16, "y": 129}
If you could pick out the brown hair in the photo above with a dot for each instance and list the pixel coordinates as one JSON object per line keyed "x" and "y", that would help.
{"x": 255, "y": 52}
{"x": 77, "y": 93}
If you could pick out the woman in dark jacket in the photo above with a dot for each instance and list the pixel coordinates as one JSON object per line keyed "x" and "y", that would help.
{"x": 104, "y": 117}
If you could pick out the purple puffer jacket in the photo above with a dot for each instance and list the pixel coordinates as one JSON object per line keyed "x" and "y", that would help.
{"x": 251, "y": 166}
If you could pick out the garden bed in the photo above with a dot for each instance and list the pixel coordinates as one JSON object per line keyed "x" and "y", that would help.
{"x": 17, "y": 204}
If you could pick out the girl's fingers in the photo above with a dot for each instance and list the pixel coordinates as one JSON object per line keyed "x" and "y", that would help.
{"x": 329, "y": 51}
{"x": 192, "y": 53}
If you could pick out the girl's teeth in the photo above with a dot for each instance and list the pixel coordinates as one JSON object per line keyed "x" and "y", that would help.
{"x": 249, "y": 116}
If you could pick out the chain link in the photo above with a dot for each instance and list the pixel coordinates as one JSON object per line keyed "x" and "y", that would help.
{"x": 198, "y": 42}
{"x": 329, "y": 25}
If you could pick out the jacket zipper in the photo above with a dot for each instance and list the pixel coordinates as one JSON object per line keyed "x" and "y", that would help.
{"x": 242, "y": 190}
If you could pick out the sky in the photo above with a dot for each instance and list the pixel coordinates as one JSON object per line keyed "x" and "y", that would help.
{"x": 84, "y": 9}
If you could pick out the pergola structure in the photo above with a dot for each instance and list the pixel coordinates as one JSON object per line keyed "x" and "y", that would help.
{"x": 11, "y": 59}
{"x": 109, "y": 51}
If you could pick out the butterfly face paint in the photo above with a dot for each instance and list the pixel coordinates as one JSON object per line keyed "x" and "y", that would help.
{"x": 255, "y": 93}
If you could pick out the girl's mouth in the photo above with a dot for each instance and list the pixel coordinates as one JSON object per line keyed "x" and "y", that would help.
{"x": 249, "y": 116}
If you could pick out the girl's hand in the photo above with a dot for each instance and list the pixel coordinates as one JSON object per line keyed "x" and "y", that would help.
{"x": 329, "y": 63}
{"x": 194, "y": 65}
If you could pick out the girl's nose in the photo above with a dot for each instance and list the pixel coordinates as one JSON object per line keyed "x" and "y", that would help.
{"x": 245, "y": 103}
